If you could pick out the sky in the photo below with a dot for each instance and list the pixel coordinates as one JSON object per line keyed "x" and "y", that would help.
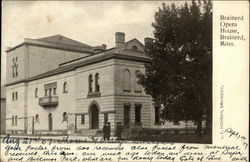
{"x": 90, "y": 22}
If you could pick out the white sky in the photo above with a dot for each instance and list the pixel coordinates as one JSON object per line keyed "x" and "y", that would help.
{"x": 93, "y": 23}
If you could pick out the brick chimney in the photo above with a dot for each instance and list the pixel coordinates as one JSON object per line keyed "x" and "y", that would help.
{"x": 148, "y": 41}
{"x": 119, "y": 40}
{"x": 101, "y": 48}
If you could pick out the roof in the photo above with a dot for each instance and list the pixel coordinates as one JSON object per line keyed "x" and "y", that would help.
{"x": 57, "y": 42}
{"x": 63, "y": 40}
{"x": 113, "y": 53}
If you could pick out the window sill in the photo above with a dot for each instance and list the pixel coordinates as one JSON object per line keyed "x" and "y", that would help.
{"x": 94, "y": 94}
{"x": 126, "y": 90}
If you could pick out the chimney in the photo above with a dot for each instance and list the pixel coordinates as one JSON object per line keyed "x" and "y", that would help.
{"x": 104, "y": 46}
{"x": 148, "y": 41}
{"x": 119, "y": 40}
{"x": 98, "y": 49}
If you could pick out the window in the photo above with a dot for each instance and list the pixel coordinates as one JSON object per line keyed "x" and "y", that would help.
{"x": 90, "y": 82}
{"x": 82, "y": 119}
{"x": 126, "y": 81}
{"x": 54, "y": 91}
{"x": 137, "y": 85}
{"x": 127, "y": 115}
{"x": 157, "y": 115}
{"x": 36, "y": 92}
{"x": 137, "y": 113}
{"x": 13, "y": 71}
{"x": 16, "y": 96}
{"x": 16, "y": 120}
{"x": 37, "y": 119}
{"x": 64, "y": 117}
{"x": 13, "y": 120}
{"x": 50, "y": 89}
{"x": 106, "y": 118}
{"x": 14, "y": 67}
{"x": 16, "y": 70}
{"x": 134, "y": 48}
{"x": 65, "y": 87}
{"x": 97, "y": 87}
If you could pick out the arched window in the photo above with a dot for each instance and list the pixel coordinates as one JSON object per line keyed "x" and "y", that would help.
{"x": 64, "y": 117}
{"x": 97, "y": 86}
{"x": 90, "y": 83}
{"x": 16, "y": 120}
{"x": 65, "y": 87}
{"x": 36, "y": 92}
{"x": 134, "y": 48}
{"x": 137, "y": 85}
{"x": 37, "y": 119}
{"x": 126, "y": 81}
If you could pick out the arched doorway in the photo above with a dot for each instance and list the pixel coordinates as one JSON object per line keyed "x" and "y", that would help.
{"x": 94, "y": 117}
{"x": 50, "y": 122}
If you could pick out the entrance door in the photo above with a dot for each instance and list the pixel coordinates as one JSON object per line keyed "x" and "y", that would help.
{"x": 94, "y": 117}
{"x": 50, "y": 122}
{"x": 126, "y": 116}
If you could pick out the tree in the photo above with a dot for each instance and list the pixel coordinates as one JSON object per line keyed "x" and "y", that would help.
{"x": 179, "y": 76}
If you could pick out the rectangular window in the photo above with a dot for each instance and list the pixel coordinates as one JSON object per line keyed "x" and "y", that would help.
{"x": 126, "y": 115}
{"x": 50, "y": 88}
{"x": 13, "y": 96}
{"x": 82, "y": 119}
{"x": 157, "y": 115}
{"x": 13, "y": 120}
{"x": 106, "y": 118}
{"x": 16, "y": 95}
{"x": 90, "y": 82}
{"x": 13, "y": 71}
{"x": 46, "y": 92}
{"x": 137, "y": 113}
{"x": 16, "y": 71}
{"x": 54, "y": 91}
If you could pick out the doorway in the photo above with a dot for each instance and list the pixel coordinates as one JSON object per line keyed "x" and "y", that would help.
{"x": 94, "y": 117}
{"x": 50, "y": 122}
{"x": 126, "y": 116}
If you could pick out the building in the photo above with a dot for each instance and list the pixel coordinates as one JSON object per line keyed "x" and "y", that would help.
{"x": 3, "y": 110}
{"x": 58, "y": 85}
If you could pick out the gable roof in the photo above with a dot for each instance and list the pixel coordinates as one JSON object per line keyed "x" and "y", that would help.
{"x": 59, "y": 39}
{"x": 58, "y": 42}
{"x": 135, "y": 40}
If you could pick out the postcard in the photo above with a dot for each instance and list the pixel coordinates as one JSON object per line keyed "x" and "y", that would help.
{"x": 125, "y": 81}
